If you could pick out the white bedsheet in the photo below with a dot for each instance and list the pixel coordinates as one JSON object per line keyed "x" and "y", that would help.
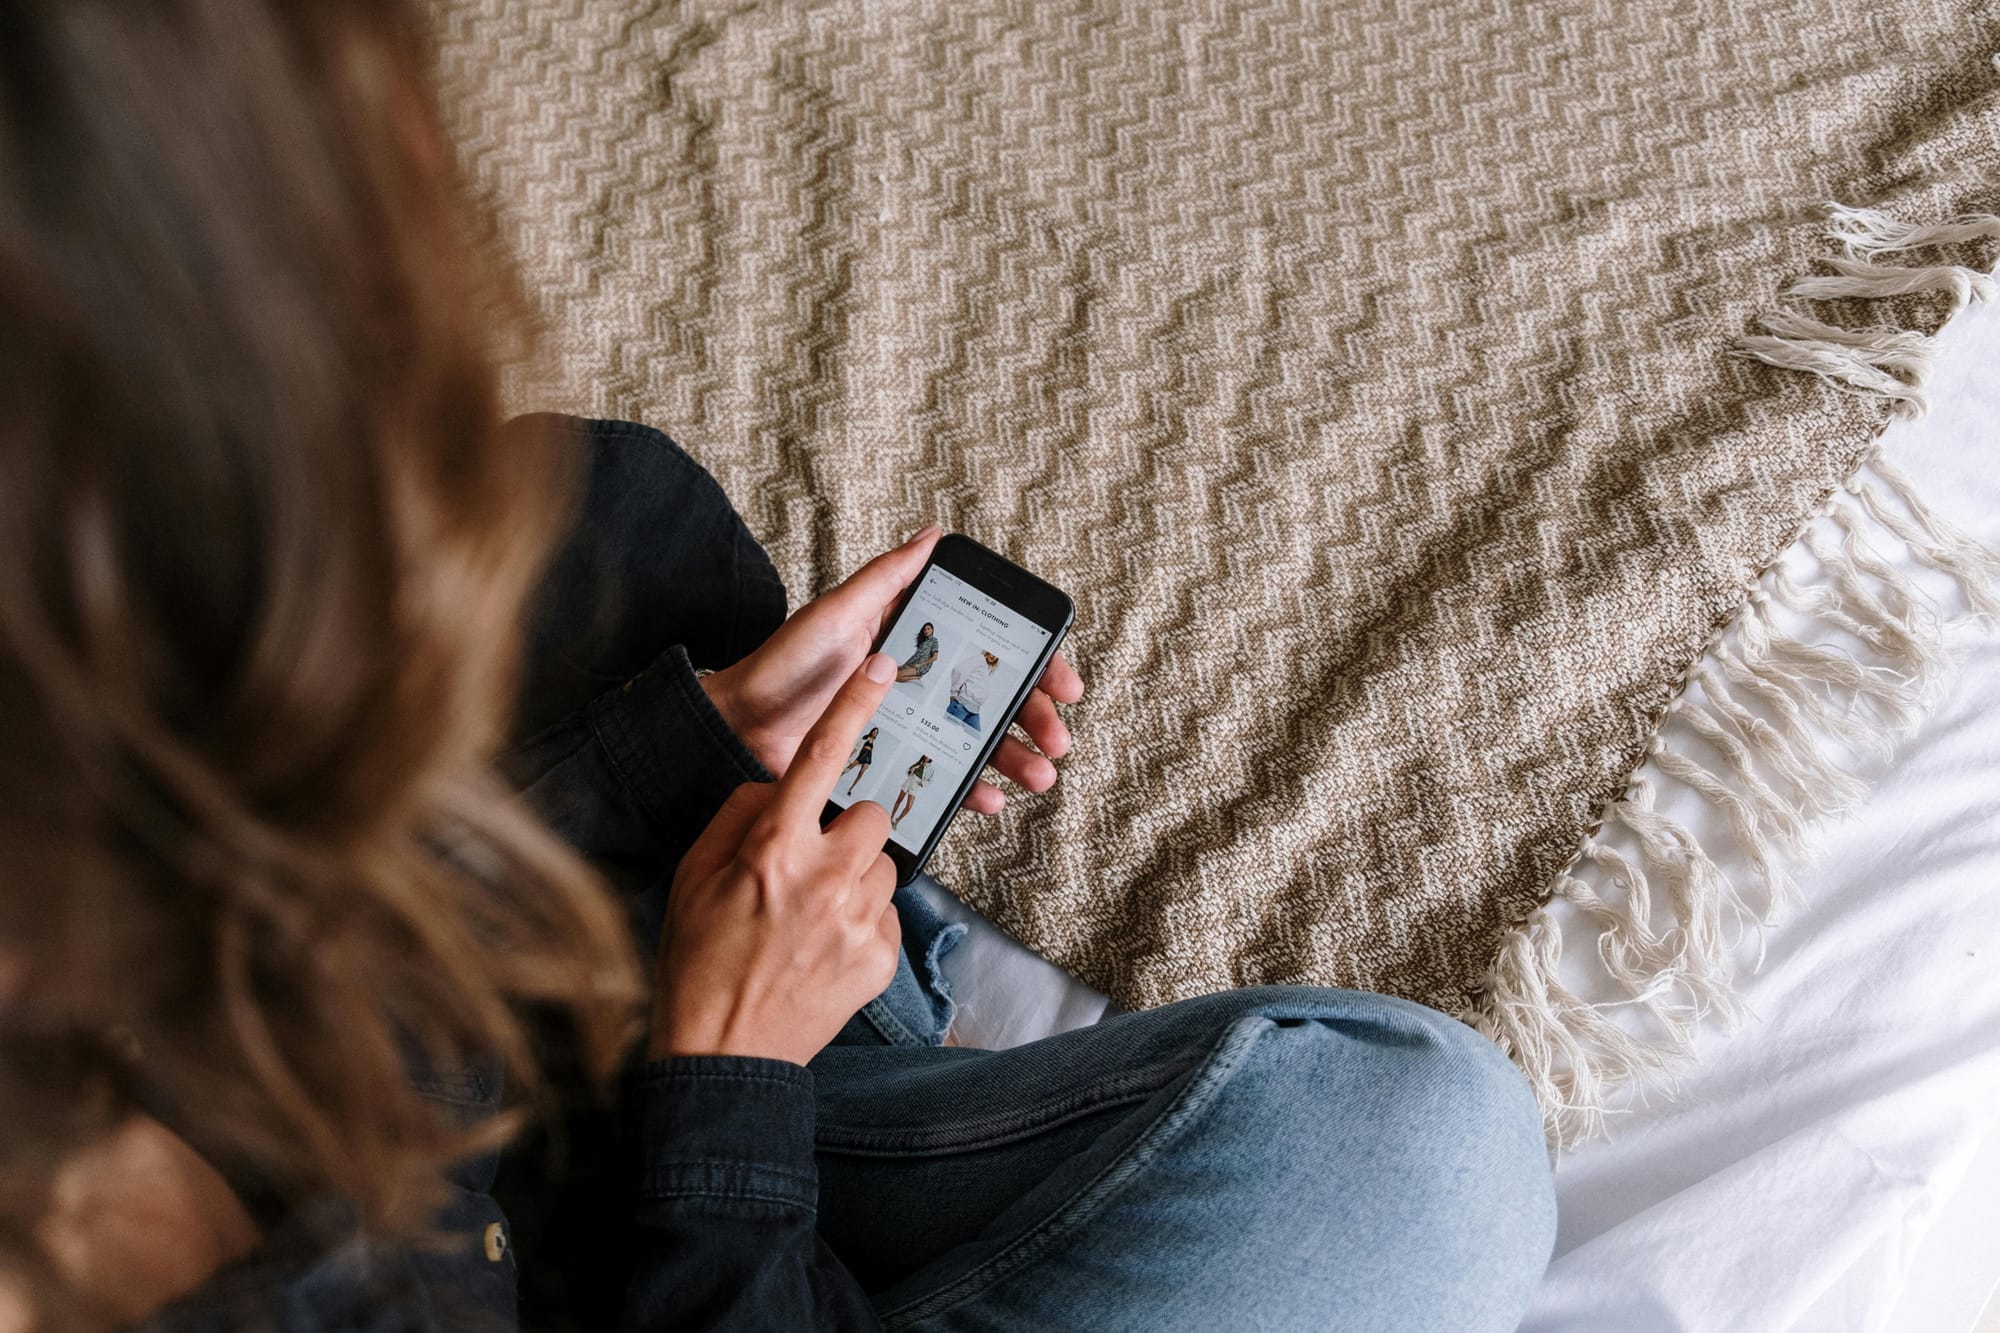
{"x": 1793, "y": 1181}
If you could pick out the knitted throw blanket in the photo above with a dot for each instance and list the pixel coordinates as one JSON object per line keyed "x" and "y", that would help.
{"x": 1401, "y": 387}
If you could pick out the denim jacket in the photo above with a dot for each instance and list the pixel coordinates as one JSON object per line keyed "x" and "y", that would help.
{"x": 690, "y": 1204}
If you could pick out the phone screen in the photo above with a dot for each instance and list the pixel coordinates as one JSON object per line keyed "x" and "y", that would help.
{"x": 961, "y": 658}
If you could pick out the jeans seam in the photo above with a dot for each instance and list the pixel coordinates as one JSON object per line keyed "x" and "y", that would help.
{"x": 893, "y": 1029}
{"x": 1224, "y": 1058}
{"x": 668, "y": 1078}
{"x": 1061, "y": 1113}
{"x": 802, "y": 1204}
{"x": 698, "y": 1179}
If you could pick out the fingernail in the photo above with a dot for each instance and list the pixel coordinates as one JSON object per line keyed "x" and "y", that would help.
{"x": 919, "y": 534}
{"x": 881, "y": 668}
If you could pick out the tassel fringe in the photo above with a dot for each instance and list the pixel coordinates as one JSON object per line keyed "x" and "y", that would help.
{"x": 1888, "y": 363}
{"x": 1765, "y": 725}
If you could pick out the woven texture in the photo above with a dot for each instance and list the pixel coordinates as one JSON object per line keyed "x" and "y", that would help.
{"x": 1360, "y": 368}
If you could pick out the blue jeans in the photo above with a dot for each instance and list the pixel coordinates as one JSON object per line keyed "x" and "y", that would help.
{"x": 957, "y": 710}
{"x": 1283, "y": 1157}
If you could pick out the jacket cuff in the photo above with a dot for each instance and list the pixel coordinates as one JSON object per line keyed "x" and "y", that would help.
{"x": 727, "y": 1127}
{"x": 672, "y": 751}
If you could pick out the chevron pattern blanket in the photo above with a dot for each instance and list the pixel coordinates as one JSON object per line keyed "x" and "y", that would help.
{"x": 1405, "y": 390}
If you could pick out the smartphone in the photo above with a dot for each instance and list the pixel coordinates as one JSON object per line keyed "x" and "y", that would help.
{"x": 970, "y": 639}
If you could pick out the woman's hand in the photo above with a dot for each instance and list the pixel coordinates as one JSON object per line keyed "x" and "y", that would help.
{"x": 777, "y": 930}
{"x": 773, "y": 696}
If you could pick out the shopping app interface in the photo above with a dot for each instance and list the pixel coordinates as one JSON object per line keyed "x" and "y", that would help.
{"x": 961, "y": 657}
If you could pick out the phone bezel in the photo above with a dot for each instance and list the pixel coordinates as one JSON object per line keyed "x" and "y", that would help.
{"x": 1035, "y": 599}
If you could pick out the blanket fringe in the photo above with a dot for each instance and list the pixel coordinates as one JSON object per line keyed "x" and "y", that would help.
{"x": 1764, "y": 725}
{"x": 1889, "y": 363}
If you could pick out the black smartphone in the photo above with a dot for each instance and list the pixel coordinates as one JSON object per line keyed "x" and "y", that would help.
{"x": 970, "y": 638}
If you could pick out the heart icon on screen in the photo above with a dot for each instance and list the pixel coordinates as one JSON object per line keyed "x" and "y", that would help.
{"x": 968, "y": 745}
{"x": 909, "y": 712}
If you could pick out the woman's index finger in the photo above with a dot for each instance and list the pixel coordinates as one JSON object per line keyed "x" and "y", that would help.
{"x": 823, "y": 754}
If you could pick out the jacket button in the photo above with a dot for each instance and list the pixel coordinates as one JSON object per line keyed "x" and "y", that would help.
{"x": 496, "y": 1242}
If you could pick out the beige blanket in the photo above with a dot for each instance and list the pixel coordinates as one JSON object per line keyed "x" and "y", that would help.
{"x": 1368, "y": 370}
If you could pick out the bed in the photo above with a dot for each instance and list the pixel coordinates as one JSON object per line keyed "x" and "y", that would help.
{"x": 1830, "y": 1165}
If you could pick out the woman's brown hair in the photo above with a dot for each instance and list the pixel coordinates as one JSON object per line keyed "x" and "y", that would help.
{"x": 262, "y": 566}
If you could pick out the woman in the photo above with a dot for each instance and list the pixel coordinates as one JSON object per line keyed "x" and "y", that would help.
{"x": 284, "y": 964}
{"x": 918, "y": 664}
{"x": 968, "y": 689}
{"x": 915, "y": 778}
{"x": 864, "y": 755}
